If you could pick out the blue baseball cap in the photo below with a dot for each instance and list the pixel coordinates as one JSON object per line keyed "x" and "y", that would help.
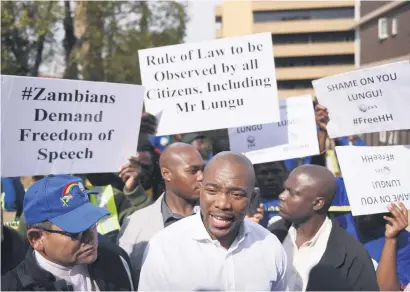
{"x": 62, "y": 200}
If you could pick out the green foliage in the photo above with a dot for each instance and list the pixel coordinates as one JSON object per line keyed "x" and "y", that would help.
{"x": 26, "y": 27}
{"x": 108, "y": 49}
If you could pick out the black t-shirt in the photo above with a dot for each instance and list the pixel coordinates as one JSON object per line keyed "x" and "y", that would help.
{"x": 13, "y": 250}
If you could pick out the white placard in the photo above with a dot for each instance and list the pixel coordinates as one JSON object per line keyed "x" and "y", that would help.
{"x": 367, "y": 100}
{"x": 375, "y": 176}
{"x": 294, "y": 136}
{"x": 211, "y": 85}
{"x": 57, "y": 126}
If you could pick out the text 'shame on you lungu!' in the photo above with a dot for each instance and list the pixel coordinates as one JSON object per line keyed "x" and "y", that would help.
{"x": 195, "y": 72}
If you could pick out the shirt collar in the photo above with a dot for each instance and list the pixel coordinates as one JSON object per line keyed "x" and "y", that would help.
{"x": 167, "y": 213}
{"x": 53, "y": 268}
{"x": 326, "y": 226}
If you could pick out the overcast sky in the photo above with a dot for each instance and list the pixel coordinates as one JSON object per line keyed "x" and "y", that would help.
{"x": 201, "y": 26}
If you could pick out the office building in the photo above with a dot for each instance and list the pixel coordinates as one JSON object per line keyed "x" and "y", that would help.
{"x": 311, "y": 39}
{"x": 383, "y": 32}
{"x": 383, "y": 35}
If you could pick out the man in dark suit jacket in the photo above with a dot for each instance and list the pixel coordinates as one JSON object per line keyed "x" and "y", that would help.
{"x": 322, "y": 256}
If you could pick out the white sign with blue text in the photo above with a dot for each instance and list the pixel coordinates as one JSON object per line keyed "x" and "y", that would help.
{"x": 293, "y": 136}
{"x": 375, "y": 176}
{"x": 368, "y": 100}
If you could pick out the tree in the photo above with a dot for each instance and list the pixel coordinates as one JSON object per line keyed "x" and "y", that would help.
{"x": 101, "y": 38}
{"x": 114, "y": 32}
{"x": 26, "y": 29}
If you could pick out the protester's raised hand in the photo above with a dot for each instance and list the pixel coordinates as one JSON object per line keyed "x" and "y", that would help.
{"x": 148, "y": 124}
{"x": 398, "y": 222}
{"x": 258, "y": 216}
{"x": 130, "y": 173}
{"x": 321, "y": 116}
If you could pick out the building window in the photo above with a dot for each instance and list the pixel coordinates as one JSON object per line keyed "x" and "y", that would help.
{"x": 329, "y": 60}
{"x": 304, "y": 14}
{"x": 394, "y": 24}
{"x": 314, "y": 37}
{"x": 383, "y": 28}
{"x": 294, "y": 84}
{"x": 218, "y": 22}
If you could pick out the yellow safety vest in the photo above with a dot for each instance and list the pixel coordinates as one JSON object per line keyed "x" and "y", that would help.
{"x": 3, "y": 194}
{"x": 332, "y": 163}
{"x": 105, "y": 199}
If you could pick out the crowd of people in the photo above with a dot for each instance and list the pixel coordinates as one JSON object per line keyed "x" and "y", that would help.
{"x": 185, "y": 213}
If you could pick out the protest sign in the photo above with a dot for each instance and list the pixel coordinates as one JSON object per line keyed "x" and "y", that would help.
{"x": 293, "y": 136}
{"x": 367, "y": 100}
{"x": 56, "y": 126}
{"x": 375, "y": 177}
{"x": 211, "y": 85}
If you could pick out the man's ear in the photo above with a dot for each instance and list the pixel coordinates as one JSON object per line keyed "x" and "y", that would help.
{"x": 166, "y": 174}
{"x": 35, "y": 237}
{"x": 318, "y": 203}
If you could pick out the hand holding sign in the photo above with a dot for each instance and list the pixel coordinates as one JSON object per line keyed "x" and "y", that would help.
{"x": 321, "y": 116}
{"x": 398, "y": 222}
{"x": 130, "y": 173}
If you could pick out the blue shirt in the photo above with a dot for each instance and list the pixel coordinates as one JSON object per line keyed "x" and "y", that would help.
{"x": 374, "y": 246}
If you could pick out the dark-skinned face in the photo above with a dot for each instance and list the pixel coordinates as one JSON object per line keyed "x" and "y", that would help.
{"x": 299, "y": 201}
{"x": 271, "y": 177}
{"x": 225, "y": 198}
{"x": 186, "y": 174}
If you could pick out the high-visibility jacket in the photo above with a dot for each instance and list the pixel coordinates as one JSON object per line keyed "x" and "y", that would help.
{"x": 105, "y": 199}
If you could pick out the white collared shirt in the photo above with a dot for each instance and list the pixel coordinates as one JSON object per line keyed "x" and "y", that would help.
{"x": 301, "y": 260}
{"x": 184, "y": 257}
{"x": 77, "y": 276}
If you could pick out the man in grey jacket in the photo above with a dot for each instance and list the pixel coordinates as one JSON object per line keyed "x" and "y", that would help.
{"x": 182, "y": 170}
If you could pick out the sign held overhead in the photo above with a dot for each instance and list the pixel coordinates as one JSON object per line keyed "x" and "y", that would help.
{"x": 211, "y": 85}
{"x": 367, "y": 100}
{"x": 58, "y": 126}
{"x": 375, "y": 177}
{"x": 293, "y": 136}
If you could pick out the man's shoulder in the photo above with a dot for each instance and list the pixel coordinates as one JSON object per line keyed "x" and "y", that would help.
{"x": 10, "y": 281}
{"x": 352, "y": 246}
{"x": 260, "y": 233}
{"x": 145, "y": 212}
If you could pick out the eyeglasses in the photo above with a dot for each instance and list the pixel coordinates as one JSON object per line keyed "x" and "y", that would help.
{"x": 73, "y": 236}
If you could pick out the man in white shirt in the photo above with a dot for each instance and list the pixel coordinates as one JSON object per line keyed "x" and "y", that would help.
{"x": 65, "y": 253}
{"x": 321, "y": 255}
{"x": 217, "y": 249}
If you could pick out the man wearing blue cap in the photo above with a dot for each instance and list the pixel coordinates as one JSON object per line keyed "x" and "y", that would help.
{"x": 65, "y": 253}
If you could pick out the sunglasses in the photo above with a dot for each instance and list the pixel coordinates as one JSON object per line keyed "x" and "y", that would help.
{"x": 74, "y": 236}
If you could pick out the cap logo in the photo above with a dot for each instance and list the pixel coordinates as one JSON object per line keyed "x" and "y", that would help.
{"x": 67, "y": 192}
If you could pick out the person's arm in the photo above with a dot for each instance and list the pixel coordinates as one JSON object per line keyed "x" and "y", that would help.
{"x": 387, "y": 268}
{"x": 322, "y": 118}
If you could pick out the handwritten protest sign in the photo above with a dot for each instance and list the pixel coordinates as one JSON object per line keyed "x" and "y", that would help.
{"x": 293, "y": 136}
{"x": 375, "y": 177}
{"x": 367, "y": 100}
{"x": 55, "y": 126}
{"x": 211, "y": 85}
